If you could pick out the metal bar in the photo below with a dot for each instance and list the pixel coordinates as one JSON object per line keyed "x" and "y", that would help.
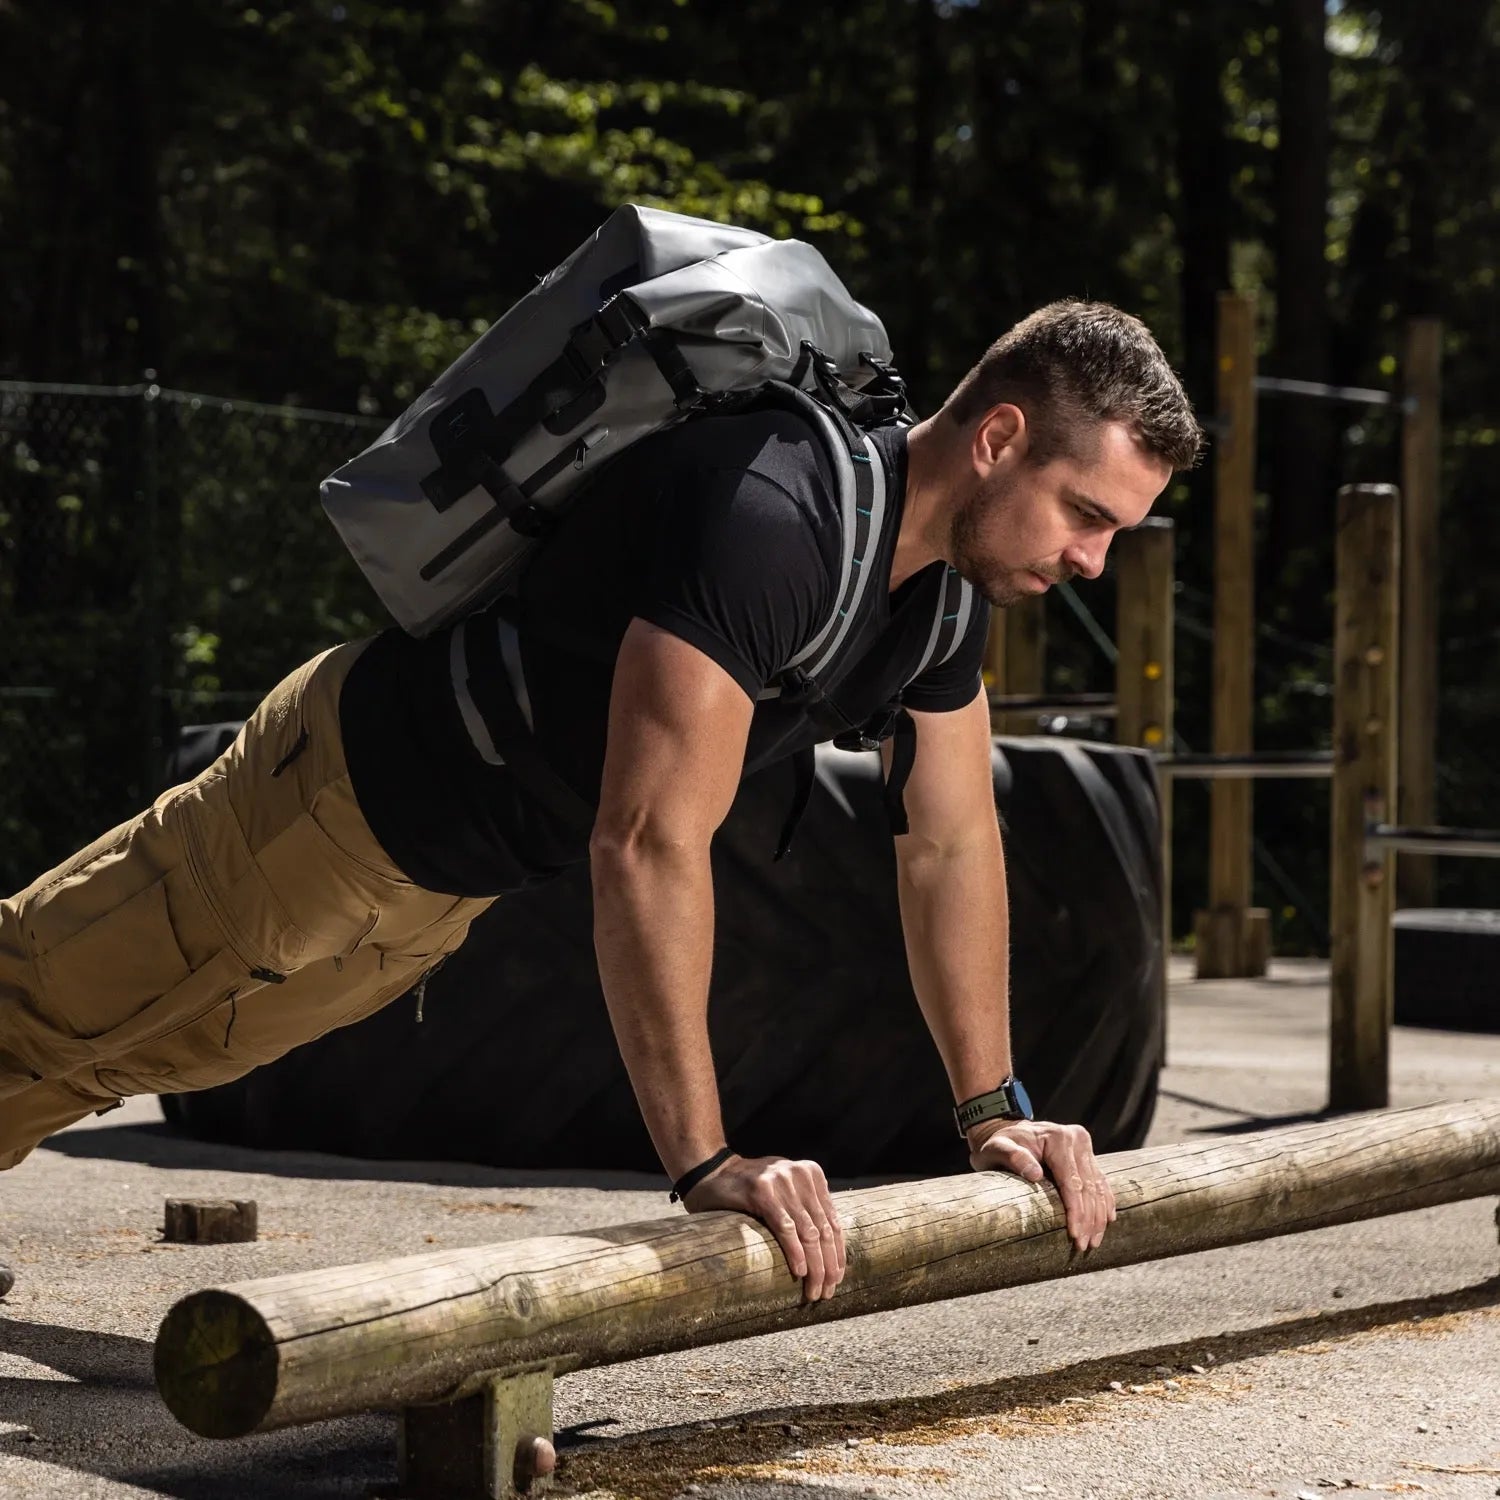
{"x": 1098, "y": 705}
{"x": 1256, "y": 765}
{"x": 1482, "y": 842}
{"x": 1358, "y": 395}
{"x": 1096, "y": 632}
{"x": 163, "y": 393}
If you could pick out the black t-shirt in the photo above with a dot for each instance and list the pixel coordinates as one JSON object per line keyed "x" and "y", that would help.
{"x": 724, "y": 532}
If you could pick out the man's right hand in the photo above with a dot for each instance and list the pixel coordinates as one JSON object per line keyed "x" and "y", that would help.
{"x": 791, "y": 1199}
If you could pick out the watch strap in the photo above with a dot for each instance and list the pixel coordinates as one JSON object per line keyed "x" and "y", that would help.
{"x": 1005, "y": 1102}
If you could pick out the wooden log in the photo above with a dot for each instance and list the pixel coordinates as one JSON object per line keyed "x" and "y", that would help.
{"x": 1231, "y": 945}
{"x": 1421, "y": 589}
{"x": 319, "y": 1344}
{"x": 1361, "y": 961}
{"x": 210, "y": 1221}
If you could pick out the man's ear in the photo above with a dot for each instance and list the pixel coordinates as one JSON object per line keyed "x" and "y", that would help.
{"x": 1001, "y": 431}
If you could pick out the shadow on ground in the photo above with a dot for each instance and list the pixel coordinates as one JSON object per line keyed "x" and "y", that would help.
{"x": 659, "y": 1465}
{"x": 103, "y": 1417}
{"x": 159, "y": 1145}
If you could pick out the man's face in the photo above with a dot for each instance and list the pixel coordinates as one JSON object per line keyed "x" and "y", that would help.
{"x": 1027, "y": 526}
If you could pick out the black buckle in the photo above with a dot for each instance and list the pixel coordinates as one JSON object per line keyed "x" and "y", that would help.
{"x": 529, "y": 519}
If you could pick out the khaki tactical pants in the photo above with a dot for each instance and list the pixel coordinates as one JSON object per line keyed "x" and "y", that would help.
{"x": 243, "y": 913}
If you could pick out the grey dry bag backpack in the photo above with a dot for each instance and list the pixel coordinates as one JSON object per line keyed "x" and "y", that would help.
{"x": 657, "y": 316}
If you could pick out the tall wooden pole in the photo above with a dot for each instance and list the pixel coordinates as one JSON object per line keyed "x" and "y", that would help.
{"x": 1232, "y": 938}
{"x": 1364, "y": 791}
{"x": 1421, "y": 589}
{"x": 1144, "y": 681}
{"x": 319, "y": 1344}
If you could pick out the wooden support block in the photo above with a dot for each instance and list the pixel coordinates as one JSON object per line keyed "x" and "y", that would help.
{"x": 210, "y": 1221}
{"x": 490, "y": 1445}
{"x": 1232, "y": 942}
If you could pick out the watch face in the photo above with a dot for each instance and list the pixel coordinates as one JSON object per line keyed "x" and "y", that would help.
{"x": 1023, "y": 1099}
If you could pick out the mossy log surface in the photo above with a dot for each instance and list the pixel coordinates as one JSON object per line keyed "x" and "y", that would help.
{"x": 319, "y": 1344}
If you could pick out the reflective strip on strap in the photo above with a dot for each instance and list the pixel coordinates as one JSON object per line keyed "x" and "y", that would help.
{"x": 458, "y": 670}
{"x": 844, "y": 617}
{"x": 930, "y": 649}
{"x": 510, "y": 655}
{"x": 965, "y": 615}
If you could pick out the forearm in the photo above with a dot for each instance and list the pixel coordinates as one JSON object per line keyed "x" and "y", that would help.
{"x": 955, "y": 918}
{"x": 653, "y": 937}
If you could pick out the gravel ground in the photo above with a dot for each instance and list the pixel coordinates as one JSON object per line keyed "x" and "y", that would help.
{"x": 1365, "y": 1357}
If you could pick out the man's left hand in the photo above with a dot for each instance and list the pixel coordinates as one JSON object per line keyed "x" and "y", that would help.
{"x": 1033, "y": 1149}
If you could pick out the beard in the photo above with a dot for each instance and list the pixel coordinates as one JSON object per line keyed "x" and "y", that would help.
{"x": 996, "y": 582}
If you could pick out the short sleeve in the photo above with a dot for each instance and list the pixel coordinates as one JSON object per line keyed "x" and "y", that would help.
{"x": 737, "y": 572}
{"x": 952, "y": 684}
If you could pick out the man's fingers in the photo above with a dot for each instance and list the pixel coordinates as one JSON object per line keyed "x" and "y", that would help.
{"x": 1010, "y": 1156}
{"x": 1091, "y": 1202}
{"x": 816, "y": 1251}
{"x": 834, "y": 1227}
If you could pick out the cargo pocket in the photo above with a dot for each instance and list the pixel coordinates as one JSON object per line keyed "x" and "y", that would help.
{"x": 105, "y": 974}
{"x": 407, "y": 963}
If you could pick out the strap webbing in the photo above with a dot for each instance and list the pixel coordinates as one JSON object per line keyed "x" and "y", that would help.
{"x": 490, "y": 690}
{"x": 804, "y": 773}
{"x": 903, "y": 758}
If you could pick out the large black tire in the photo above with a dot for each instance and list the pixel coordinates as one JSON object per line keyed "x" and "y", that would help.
{"x": 1447, "y": 963}
{"x": 820, "y": 1046}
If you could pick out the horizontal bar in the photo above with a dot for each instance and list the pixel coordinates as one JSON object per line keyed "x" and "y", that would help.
{"x": 328, "y": 1343}
{"x": 1098, "y": 705}
{"x": 1358, "y": 395}
{"x": 1254, "y": 765}
{"x": 1480, "y": 842}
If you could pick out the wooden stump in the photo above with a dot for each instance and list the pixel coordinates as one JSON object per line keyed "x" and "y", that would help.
{"x": 210, "y": 1221}
{"x": 1232, "y": 942}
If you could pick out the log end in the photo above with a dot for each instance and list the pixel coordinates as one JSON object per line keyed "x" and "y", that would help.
{"x": 216, "y": 1364}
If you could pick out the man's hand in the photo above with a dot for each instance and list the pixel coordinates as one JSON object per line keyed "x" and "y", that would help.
{"x": 1065, "y": 1153}
{"x": 791, "y": 1199}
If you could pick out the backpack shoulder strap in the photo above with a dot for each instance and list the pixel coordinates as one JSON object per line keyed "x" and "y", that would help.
{"x": 950, "y": 622}
{"x": 863, "y": 500}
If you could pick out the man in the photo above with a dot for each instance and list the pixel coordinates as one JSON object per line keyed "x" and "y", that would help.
{"x": 387, "y": 791}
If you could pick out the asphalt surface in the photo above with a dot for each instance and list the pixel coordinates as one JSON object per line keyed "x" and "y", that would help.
{"x": 1365, "y": 1357}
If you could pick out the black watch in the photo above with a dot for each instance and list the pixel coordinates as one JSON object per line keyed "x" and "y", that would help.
{"x": 1009, "y": 1101}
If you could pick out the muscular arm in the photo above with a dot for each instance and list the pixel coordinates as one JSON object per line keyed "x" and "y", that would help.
{"x": 678, "y": 724}
{"x": 954, "y": 906}
{"x": 677, "y": 731}
{"x": 954, "y": 916}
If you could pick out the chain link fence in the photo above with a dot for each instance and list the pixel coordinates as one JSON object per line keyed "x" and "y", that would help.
{"x": 163, "y": 561}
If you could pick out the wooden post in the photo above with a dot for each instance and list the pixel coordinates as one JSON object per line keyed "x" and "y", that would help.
{"x": 1015, "y": 658}
{"x": 1144, "y": 693}
{"x": 491, "y": 1445}
{"x": 1368, "y": 591}
{"x": 320, "y": 1344}
{"x": 1232, "y": 938}
{"x": 1421, "y": 589}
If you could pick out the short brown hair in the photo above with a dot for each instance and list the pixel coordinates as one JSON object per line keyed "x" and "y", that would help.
{"x": 1072, "y": 365}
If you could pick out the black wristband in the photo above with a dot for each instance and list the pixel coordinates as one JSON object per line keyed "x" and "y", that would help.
{"x": 689, "y": 1180}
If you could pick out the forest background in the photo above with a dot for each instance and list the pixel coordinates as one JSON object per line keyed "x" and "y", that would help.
{"x": 319, "y": 205}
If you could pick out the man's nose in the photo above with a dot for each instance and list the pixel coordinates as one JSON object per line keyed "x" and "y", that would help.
{"x": 1086, "y": 559}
